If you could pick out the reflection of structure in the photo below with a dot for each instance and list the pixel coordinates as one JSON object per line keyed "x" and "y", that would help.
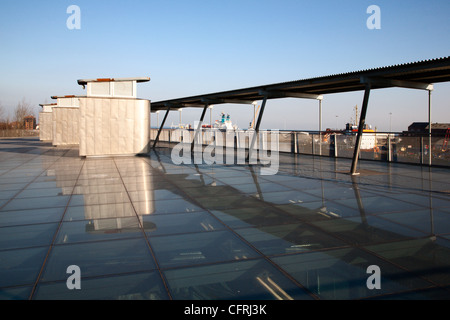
{"x": 105, "y": 200}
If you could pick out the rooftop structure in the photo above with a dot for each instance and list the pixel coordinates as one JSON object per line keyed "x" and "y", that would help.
{"x": 46, "y": 122}
{"x": 66, "y": 120}
{"x": 112, "y": 120}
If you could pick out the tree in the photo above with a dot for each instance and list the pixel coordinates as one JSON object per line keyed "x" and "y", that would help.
{"x": 22, "y": 110}
{"x": 2, "y": 113}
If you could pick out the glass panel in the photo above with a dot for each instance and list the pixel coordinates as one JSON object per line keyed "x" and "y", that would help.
{"x": 165, "y": 206}
{"x": 366, "y": 230}
{"x": 199, "y": 248}
{"x": 181, "y": 223}
{"x": 101, "y": 211}
{"x": 22, "y": 217}
{"x": 20, "y": 267}
{"x": 379, "y": 204}
{"x": 27, "y": 236}
{"x": 289, "y": 238}
{"x": 428, "y": 221}
{"x": 139, "y": 286}
{"x": 247, "y": 217}
{"x": 37, "y": 203}
{"x": 99, "y": 258}
{"x": 249, "y": 280}
{"x": 21, "y": 293}
{"x": 98, "y": 229}
{"x": 428, "y": 258}
{"x": 342, "y": 274}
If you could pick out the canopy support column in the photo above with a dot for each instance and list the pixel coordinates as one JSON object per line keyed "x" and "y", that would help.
{"x": 199, "y": 126}
{"x": 160, "y": 128}
{"x": 387, "y": 83}
{"x": 362, "y": 122}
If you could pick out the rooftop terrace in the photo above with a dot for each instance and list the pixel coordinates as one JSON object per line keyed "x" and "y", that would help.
{"x": 145, "y": 228}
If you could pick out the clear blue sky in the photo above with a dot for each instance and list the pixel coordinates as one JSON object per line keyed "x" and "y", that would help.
{"x": 195, "y": 47}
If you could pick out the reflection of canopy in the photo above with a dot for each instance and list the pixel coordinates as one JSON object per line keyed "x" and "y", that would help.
{"x": 357, "y": 242}
{"x": 211, "y": 193}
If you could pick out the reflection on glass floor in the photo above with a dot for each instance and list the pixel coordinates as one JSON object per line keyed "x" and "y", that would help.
{"x": 145, "y": 228}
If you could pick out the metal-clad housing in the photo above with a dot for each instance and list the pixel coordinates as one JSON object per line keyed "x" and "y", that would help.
{"x": 114, "y": 126}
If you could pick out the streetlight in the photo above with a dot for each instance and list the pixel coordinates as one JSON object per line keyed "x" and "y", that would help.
{"x": 180, "y": 109}
{"x": 254, "y": 103}
{"x": 210, "y": 115}
{"x": 337, "y": 122}
{"x": 390, "y": 122}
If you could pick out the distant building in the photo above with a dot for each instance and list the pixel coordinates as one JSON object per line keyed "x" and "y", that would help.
{"x": 14, "y": 125}
{"x": 418, "y": 127}
{"x": 29, "y": 123}
{"x": 421, "y": 128}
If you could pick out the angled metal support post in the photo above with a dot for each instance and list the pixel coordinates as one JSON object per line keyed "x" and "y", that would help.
{"x": 362, "y": 122}
{"x": 160, "y": 128}
{"x": 429, "y": 127}
{"x": 320, "y": 126}
{"x": 256, "y": 132}
{"x": 199, "y": 126}
{"x": 387, "y": 83}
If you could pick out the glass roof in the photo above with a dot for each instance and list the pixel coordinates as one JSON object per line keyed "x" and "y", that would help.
{"x": 145, "y": 228}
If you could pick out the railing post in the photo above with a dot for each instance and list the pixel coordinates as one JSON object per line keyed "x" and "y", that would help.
{"x": 421, "y": 150}
{"x": 389, "y": 148}
{"x": 429, "y": 127}
{"x": 335, "y": 146}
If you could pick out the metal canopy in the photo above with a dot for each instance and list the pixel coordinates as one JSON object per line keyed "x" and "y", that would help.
{"x": 416, "y": 75}
{"x": 427, "y": 71}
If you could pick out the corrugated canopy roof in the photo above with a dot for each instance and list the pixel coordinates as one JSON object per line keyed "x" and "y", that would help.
{"x": 426, "y": 71}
